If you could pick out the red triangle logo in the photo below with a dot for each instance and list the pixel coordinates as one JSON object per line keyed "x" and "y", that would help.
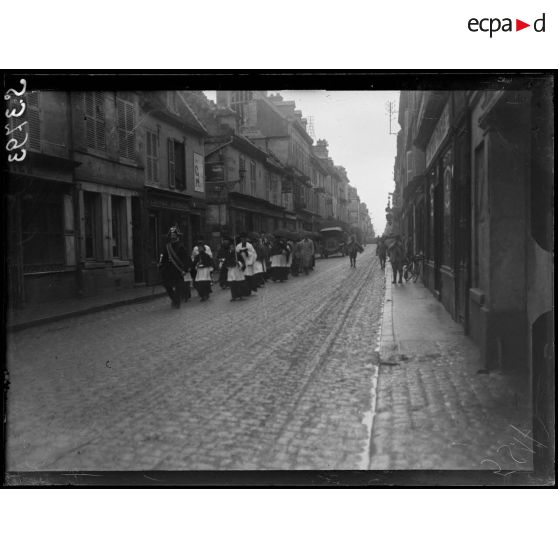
{"x": 519, "y": 25}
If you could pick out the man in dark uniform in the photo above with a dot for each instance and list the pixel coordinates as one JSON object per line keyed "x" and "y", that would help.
{"x": 226, "y": 243}
{"x": 174, "y": 264}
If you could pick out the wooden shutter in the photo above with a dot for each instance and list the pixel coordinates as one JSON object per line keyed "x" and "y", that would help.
{"x": 121, "y": 120}
{"x": 126, "y": 129}
{"x": 34, "y": 120}
{"x": 151, "y": 157}
{"x": 90, "y": 119}
{"x": 100, "y": 120}
{"x": 170, "y": 150}
{"x": 95, "y": 120}
{"x": 130, "y": 131}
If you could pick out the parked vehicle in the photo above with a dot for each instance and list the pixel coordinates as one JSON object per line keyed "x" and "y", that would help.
{"x": 334, "y": 242}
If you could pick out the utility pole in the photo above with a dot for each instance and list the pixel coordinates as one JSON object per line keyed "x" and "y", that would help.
{"x": 391, "y": 112}
{"x": 310, "y": 127}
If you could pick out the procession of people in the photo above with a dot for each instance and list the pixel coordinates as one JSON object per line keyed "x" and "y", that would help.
{"x": 243, "y": 264}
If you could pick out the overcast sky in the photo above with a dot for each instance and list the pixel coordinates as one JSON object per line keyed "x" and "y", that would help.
{"x": 356, "y": 127}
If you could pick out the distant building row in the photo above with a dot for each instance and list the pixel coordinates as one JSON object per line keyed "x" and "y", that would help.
{"x": 107, "y": 173}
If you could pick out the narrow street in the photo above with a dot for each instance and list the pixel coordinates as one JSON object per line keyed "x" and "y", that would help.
{"x": 283, "y": 380}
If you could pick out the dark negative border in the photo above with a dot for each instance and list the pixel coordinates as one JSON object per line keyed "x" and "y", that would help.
{"x": 270, "y": 80}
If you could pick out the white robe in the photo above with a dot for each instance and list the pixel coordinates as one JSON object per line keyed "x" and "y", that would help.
{"x": 195, "y": 251}
{"x": 259, "y": 267}
{"x": 249, "y": 259}
{"x": 235, "y": 274}
{"x": 203, "y": 273}
{"x": 279, "y": 260}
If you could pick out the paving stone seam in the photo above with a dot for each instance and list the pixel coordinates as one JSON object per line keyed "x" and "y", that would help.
{"x": 367, "y": 454}
{"x": 325, "y": 347}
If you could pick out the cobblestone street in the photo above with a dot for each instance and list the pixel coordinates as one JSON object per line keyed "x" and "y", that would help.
{"x": 283, "y": 380}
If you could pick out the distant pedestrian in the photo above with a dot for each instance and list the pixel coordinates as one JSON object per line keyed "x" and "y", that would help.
{"x": 353, "y": 248}
{"x": 195, "y": 250}
{"x": 307, "y": 254}
{"x": 203, "y": 264}
{"x": 226, "y": 243}
{"x": 260, "y": 265}
{"x": 249, "y": 256}
{"x": 174, "y": 265}
{"x": 234, "y": 263}
{"x": 280, "y": 252}
{"x": 296, "y": 259}
{"x": 381, "y": 251}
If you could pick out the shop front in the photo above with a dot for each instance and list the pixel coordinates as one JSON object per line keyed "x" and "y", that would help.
{"x": 253, "y": 214}
{"x": 41, "y": 254}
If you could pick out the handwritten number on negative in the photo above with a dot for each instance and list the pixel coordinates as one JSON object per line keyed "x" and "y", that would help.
{"x": 16, "y": 112}
{"x": 11, "y": 112}
{"x": 8, "y": 96}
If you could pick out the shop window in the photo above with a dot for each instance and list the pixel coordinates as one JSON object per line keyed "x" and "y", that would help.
{"x": 92, "y": 229}
{"x": 118, "y": 219}
{"x": 126, "y": 129}
{"x": 252, "y": 178}
{"x": 43, "y": 234}
{"x": 177, "y": 164}
{"x": 95, "y": 120}
{"x": 151, "y": 157}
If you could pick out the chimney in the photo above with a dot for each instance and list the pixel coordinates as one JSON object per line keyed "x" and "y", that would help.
{"x": 320, "y": 149}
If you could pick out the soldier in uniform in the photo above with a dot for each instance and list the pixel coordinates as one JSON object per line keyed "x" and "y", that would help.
{"x": 174, "y": 265}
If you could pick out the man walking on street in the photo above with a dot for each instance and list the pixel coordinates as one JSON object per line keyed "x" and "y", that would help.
{"x": 353, "y": 248}
{"x": 203, "y": 264}
{"x": 249, "y": 256}
{"x": 174, "y": 265}
{"x": 306, "y": 253}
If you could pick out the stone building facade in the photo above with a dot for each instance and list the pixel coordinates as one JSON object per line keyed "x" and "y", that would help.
{"x": 108, "y": 172}
{"x": 474, "y": 194}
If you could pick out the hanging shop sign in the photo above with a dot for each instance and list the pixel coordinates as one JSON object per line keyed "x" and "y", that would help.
{"x": 438, "y": 136}
{"x": 215, "y": 172}
{"x": 199, "y": 179}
